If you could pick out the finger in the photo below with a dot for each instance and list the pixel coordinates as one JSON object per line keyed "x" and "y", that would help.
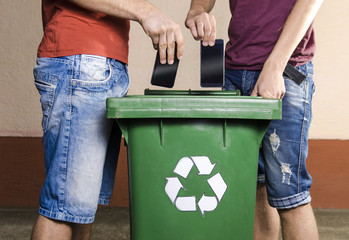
{"x": 170, "y": 46}
{"x": 254, "y": 92}
{"x": 180, "y": 42}
{"x": 162, "y": 47}
{"x": 269, "y": 95}
{"x": 200, "y": 29}
{"x": 155, "y": 41}
{"x": 283, "y": 92}
{"x": 207, "y": 32}
{"x": 156, "y": 46}
{"x": 212, "y": 37}
{"x": 282, "y": 95}
{"x": 193, "y": 31}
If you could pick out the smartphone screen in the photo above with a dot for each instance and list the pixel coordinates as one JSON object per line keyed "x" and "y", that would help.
{"x": 164, "y": 75}
{"x": 212, "y": 65}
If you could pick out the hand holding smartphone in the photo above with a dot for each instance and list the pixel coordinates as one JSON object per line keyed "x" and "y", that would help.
{"x": 164, "y": 75}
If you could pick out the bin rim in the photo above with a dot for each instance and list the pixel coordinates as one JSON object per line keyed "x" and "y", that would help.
{"x": 193, "y": 106}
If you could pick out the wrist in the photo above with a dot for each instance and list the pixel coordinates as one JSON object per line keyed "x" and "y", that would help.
{"x": 144, "y": 12}
{"x": 197, "y": 10}
{"x": 275, "y": 64}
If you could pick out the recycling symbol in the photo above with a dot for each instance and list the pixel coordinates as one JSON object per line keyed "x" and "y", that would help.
{"x": 188, "y": 203}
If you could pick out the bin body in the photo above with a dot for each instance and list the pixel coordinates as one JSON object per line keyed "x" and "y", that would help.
{"x": 192, "y": 176}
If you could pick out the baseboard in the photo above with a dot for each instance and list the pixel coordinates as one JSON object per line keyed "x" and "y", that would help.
{"x": 329, "y": 167}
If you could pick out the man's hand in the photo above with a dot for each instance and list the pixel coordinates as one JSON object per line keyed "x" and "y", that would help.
{"x": 202, "y": 26}
{"x": 270, "y": 84}
{"x": 164, "y": 34}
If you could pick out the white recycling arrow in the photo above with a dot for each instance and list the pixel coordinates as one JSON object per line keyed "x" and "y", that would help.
{"x": 207, "y": 204}
{"x": 186, "y": 204}
{"x": 218, "y": 185}
{"x": 184, "y": 167}
{"x": 172, "y": 188}
{"x": 203, "y": 164}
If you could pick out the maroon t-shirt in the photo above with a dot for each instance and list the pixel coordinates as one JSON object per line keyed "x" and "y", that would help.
{"x": 255, "y": 27}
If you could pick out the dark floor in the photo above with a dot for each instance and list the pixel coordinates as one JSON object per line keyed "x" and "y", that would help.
{"x": 113, "y": 223}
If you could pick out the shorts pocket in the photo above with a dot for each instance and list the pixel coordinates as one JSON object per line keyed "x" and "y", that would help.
{"x": 94, "y": 74}
{"x": 47, "y": 93}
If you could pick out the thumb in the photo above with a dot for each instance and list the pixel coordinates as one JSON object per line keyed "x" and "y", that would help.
{"x": 254, "y": 92}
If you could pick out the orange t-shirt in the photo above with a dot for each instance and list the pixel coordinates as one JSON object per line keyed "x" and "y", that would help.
{"x": 72, "y": 30}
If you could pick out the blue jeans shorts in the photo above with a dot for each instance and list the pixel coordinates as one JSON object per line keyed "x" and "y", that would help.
{"x": 285, "y": 146}
{"x": 81, "y": 145}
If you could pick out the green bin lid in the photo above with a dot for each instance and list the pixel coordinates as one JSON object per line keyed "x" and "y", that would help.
{"x": 212, "y": 104}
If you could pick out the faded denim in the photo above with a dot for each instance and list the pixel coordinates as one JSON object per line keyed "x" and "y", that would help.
{"x": 282, "y": 161}
{"x": 80, "y": 151}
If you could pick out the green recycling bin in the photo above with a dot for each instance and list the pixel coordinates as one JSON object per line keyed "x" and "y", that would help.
{"x": 193, "y": 159}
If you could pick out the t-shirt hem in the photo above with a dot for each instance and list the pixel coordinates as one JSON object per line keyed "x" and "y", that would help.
{"x": 260, "y": 67}
{"x": 54, "y": 54}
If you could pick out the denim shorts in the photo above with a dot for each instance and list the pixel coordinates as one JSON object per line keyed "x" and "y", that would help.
{"x": 285, "y": 146}
{"x": 81, "y": 145}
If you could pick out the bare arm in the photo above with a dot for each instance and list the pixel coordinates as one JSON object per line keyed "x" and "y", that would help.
{"x": 202, "y": 24}
{"x": 162, "y": 30}
{"x": 270, "y": 83}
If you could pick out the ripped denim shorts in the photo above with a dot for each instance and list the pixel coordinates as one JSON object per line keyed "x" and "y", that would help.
{"x": 285, "y": 146}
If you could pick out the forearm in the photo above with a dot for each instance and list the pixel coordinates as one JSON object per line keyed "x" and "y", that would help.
{"x": 135, "y": 10}
{"x": 202, "y": 5}
{"x": 296, "y": 25}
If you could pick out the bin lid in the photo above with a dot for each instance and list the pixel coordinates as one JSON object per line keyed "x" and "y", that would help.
{"x": 193, "y": 104}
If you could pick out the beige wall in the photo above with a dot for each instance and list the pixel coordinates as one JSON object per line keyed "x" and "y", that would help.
{"x": 20, "y": 32}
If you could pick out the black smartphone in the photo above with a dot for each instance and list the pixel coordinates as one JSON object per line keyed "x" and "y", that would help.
{"x": 164, "y": 75}
{"x": 212, "y": 65}
{"x": 294, "y": 74}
